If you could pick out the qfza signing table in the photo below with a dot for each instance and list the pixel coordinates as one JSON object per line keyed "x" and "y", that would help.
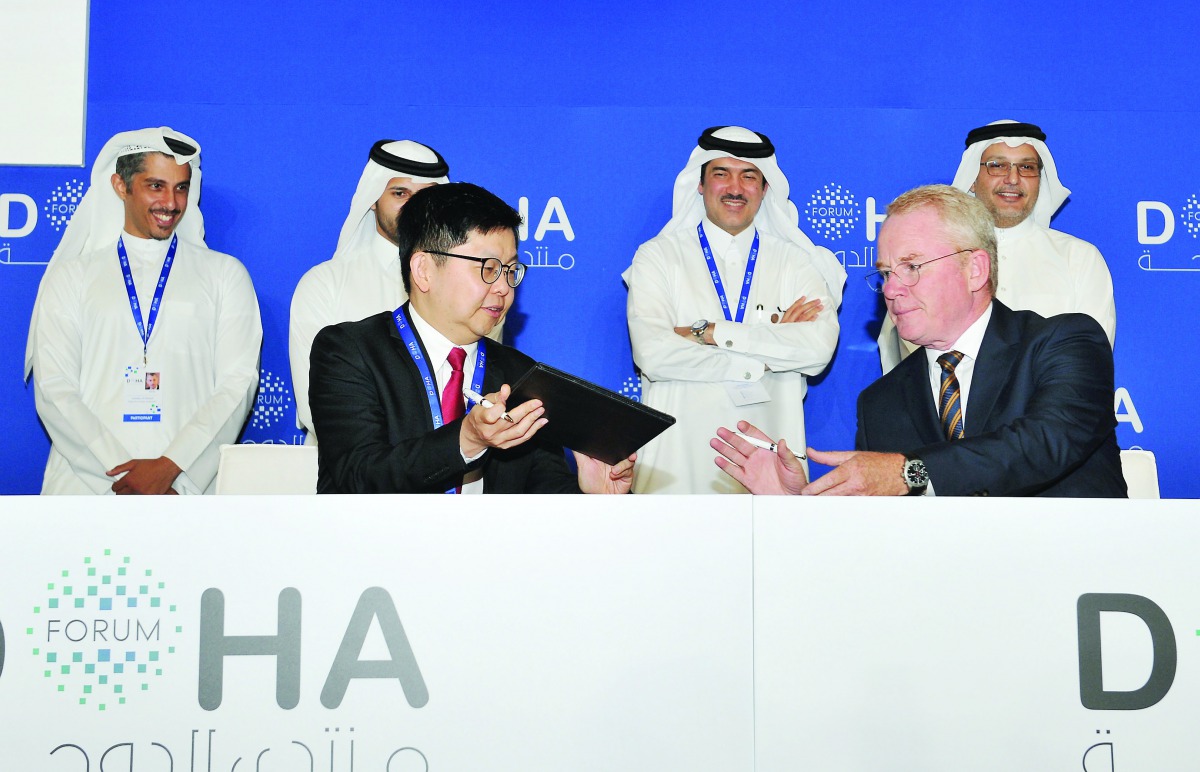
{"x": 398, "y": 633}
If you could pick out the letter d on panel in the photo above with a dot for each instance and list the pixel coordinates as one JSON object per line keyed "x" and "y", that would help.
{"x": 1091, "y": 672}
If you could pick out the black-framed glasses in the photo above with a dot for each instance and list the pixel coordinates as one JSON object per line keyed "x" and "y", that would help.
{"x": 908, "y": 273}
{"x": 490, "y": 268}
{"x": 1024, "y": 168}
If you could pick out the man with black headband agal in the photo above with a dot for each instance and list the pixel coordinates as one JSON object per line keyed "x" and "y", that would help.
{"x": 1008, "y": 167}
{"x": 363, "y": 277}
{"x": 730, "y": 308}
{"x": 144, "y": 343}
{"x": 390, "y": 392}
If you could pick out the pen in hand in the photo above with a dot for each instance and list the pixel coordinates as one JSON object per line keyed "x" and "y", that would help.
{"x": 771, "y": 446}
{"x": 485, "y": 402}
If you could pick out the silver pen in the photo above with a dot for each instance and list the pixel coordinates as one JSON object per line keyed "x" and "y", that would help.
{"x": 485, "y": 402}
{"x": 771, "y": 446}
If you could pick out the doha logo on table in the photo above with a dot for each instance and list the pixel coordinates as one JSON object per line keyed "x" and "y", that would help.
{"x": 104, "y": 631}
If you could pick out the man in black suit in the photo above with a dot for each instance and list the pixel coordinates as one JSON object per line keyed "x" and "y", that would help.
{"x": 1000, "y": 403}
{"x": 387, "y": 392}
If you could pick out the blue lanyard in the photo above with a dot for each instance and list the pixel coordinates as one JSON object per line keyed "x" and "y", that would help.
{"x": 404, "y": 327}
{"x": 716, "y": 275}
{"x": 145, "y": 330}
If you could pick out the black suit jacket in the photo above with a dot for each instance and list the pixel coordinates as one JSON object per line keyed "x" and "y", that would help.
{"x": 1040, "y": 418}
{"x": 376, "y": 433}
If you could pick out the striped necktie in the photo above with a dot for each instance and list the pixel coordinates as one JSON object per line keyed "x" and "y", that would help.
{"x": 949, "y": 402}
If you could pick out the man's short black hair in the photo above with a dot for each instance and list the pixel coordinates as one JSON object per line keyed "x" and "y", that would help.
{"x": 442, "y": 217}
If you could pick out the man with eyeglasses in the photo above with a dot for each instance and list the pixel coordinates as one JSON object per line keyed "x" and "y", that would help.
{"x": 363, "y": 276}
{"x": 731, "y": 307}
{"x": 387, "y": 392}
{"x": 1000, "y": 402}
{"x": 1008, "y": 167}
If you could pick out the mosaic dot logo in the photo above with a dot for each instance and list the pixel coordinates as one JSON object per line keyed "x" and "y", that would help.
{"x": 105, "y": 630}
{"x": 62, "y": 203}
{"x": 1190, "y": 214}
{"x": 274, "y": 400}
{"x": 832, "y": 212}
{"x": 632, "y": 388}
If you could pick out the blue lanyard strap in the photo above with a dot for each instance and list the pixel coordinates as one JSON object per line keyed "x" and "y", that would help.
{"x": 716, "y": 275}
{"x": 145, "y": 330}
{"x": 404, "y": 327}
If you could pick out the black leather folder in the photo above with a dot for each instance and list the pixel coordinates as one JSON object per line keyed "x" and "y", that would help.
{"x": 588, "y": 418}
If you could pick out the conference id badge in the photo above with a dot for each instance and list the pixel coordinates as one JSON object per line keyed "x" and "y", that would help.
{"x": 143, "y": 395}
{"x": 742, "y": 394}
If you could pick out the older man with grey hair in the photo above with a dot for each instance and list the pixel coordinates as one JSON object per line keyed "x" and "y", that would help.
{"x": 997, "y": 402}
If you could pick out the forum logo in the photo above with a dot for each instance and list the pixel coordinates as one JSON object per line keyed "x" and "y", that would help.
{"x": 104, "y": 632}
{"x": 63, "y": 202}
{"x": 274, "y": 399}
{"x": 832, "y": 212}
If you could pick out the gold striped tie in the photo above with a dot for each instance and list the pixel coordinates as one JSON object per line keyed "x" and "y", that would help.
{"x": 949, "y": 403}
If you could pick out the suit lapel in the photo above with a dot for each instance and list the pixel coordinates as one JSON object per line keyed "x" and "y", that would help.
{"x": 410, "y": 367}
{"x": 991, "y": 369}
{"x": 925, "y": 422}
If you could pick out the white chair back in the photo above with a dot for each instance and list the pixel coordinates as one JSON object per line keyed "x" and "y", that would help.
{"x": 1141, "y": 473}
{"x": 267, "y": 469}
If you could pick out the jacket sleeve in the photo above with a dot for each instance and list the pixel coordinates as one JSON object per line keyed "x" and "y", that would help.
{"x": 350, "y": 414}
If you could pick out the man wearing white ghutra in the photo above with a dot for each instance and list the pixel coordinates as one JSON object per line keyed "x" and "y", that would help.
{"x": 144, "y": 343}
{"x": 363, "y": 276}
{"x": 730, "y": 308}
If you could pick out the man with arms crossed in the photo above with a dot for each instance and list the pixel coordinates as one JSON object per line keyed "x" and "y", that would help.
{"x": 998, "y": 403}
{"x": 387, "y": 391}
{"x": 730, "y": 308}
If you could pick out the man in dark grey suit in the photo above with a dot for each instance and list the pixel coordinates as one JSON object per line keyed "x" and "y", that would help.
{"x": 1001, "y": 403}
{"x": 387, "y": 392}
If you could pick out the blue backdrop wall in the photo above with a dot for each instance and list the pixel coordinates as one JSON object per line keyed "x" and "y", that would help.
{"x": 584, "y": 113}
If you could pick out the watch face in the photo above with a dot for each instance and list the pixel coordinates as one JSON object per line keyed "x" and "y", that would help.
{"x": 915, "y": 474}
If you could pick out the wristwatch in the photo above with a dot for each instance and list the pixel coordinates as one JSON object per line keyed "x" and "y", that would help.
{"x": 916, "y": 477}
{"x": 699, "y": 328}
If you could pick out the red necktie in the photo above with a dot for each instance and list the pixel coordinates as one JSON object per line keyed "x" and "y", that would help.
{"x": 452, "y": 396}
{"x": 453, "y": 407}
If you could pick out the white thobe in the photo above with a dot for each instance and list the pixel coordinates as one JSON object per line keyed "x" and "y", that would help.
{"x": 1041, "y": 270}
{"x": 669, "y": 287}
{"x": 351, "y": 287}
{"x": 205, "y": 344}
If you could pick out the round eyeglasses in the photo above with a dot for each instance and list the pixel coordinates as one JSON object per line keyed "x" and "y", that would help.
{"x": 908, "y": 273}
{"x": 1024, "y": 168}
{"x": 490, "y": 268}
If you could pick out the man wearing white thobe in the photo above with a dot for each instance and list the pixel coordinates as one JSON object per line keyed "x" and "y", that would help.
{"x": 708, "y": 361}
{"x": 1008, "y": 167}
{"x": 143, "y": 344}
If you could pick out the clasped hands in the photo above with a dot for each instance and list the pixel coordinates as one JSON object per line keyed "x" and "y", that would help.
{"x": 854, "y": 473}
